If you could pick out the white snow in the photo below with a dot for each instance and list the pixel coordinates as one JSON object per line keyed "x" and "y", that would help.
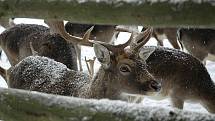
{"x": 89, "y": 53}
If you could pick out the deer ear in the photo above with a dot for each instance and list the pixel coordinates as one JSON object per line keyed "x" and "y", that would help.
{"x": 145, "y": 53}
{"x": 102, "y": 54}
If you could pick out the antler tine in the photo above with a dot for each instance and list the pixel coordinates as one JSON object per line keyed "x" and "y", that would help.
{"x": 86, "y": 37}
{"x": 57, "y": 26}
{"x": 141, "y": 39}
{"x": 115, "y": 48}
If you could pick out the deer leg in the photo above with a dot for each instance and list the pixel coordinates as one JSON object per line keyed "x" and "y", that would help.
{"x": 177, "y": 102}
{"x": 173, "y": 40}
{"x": 3, "y": 73}
{"x": 159, "y": 41}
{"x": 78, "y": 52}
{"x": 200, "y": 55}
{"x": 209, "y": 105}
{"x": 90, "y": 65}
{"x": 0, "y": 53}
{"x": 34, "y": 53}
{"x": 88, "y": 68}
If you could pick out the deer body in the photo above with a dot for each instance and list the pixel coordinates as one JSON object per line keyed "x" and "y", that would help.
{"x": 46, "y": 75}
{"x": 198, "y": 42}
{"x": 182, "y": 77}
{"x": 16, "y": 43}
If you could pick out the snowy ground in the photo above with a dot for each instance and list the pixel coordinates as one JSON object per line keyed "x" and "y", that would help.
{"x": 88, "y": 52}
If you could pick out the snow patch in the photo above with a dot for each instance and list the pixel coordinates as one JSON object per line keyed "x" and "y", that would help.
{"x": 53, "y": 70}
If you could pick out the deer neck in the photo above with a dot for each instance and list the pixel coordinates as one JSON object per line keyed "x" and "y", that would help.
{"x": 104, "y": 84}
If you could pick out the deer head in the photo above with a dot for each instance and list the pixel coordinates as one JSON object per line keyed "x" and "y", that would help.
{"x": 124, "y": 60}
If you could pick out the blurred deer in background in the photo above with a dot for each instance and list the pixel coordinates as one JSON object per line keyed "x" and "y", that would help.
{"x": 198, "y": 42}
{"x": 170, "y": 33}
{"x": 121, "y": 70}
{"x": 15, "y": 42}
{"x": 182, "y": 76}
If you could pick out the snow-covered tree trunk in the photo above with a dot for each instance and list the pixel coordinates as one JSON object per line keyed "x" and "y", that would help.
{"x": 136, "y": 12}
{"x": 20, "y": 105}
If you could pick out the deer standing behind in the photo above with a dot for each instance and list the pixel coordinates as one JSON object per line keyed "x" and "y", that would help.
{"x": 170, "y": 33}
{"x": 182, "y": 76}
{"x": 16, "y": 40}
{"x": 198, "y": 42}
{"x": 121, "y": 70}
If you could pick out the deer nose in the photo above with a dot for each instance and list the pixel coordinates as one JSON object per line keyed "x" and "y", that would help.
{"x": 155, "y": 85}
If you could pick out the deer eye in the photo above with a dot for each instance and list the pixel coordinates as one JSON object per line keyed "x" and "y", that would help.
{"x": 124, "y": 69}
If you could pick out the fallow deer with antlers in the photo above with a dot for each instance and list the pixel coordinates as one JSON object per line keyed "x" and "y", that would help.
{"x": 121, "y": 70}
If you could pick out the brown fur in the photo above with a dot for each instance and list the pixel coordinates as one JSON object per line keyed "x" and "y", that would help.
{"x": 171, "y": 34}
{"x": 182, "y": 76}
{"x": 198, "y": 42}
{"x": 16, "y": 40}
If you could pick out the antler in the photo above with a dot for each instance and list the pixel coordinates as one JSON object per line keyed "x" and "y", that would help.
{"x": 57, "y": 26}
{"x": 138, "y": 39}
{"x": 141, "y": 39}
{"x": 90, "y": 65}
{"x": 115, "y": 48}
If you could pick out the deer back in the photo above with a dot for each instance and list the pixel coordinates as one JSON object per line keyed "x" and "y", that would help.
{"x": 16, "y": 43}
{"x": 42, "y": 74}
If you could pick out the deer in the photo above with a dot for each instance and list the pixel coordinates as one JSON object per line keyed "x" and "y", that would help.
{"x": 182, "y": 76}
{"x": 198, "y": 42}
{"x": 171, "y": 34}
{"x": 121, "y": 69}
{"x": 15, "y": 42}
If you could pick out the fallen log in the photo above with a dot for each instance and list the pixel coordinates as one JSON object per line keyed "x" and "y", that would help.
{"x": 21, "y": 105}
